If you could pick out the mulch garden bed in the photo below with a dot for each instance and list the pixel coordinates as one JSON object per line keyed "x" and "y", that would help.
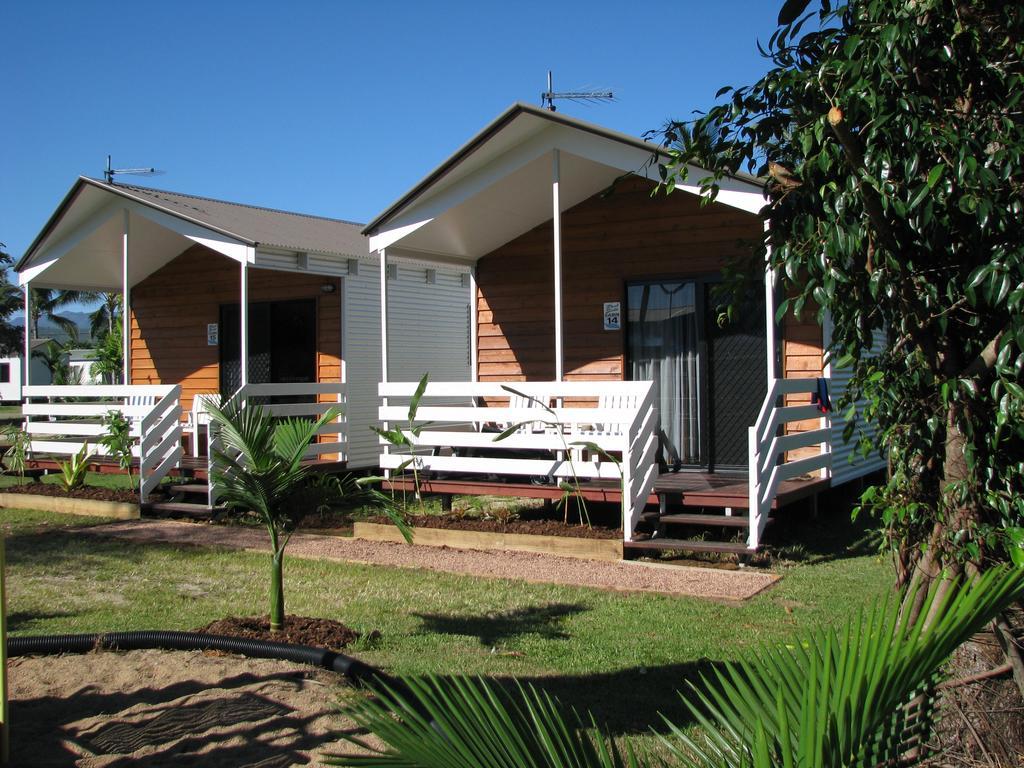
{"x": 301, "y": 630}
{"x": 85, "y": 492}
{"x": 532, "y": 523}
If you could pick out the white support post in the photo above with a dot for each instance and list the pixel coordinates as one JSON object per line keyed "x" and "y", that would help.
{"x": 243, "y": 321}
{"x": 826, "y": 418}
{"x": 473, "y": 329}
{"x": 384, "y": 334}
{"x": 769, "y": 308}
{"x": 126, "y": 303}
{"x": 753, "y": 489}
{"x": 556, "y": 221}
{"x": 28, "y": 335}
{"x": 383, "y": 315}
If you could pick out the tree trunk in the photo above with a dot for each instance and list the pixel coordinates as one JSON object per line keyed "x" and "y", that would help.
{"x": 935, "y": 565}
{"x": 276, "y": 590}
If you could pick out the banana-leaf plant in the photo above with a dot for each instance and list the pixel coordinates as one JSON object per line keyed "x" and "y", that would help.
{"x": 72, "y": 471}
{"x": 258, "y": 466}
{"x": 839, "y": 697}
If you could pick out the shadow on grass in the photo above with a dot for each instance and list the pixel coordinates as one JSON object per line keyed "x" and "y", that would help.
{"x": 805, "y": 535}
{"x": 164, "y": 729}
{"x": 493, "y": 628}
{"x": 628, "y": 701}
{"x": 23, "y": 621}
{"x": 65, "y": 551}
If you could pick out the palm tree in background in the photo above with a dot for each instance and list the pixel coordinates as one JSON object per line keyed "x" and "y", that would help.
{"x": 103, "y": 319}
{"x": 47, "y": 302}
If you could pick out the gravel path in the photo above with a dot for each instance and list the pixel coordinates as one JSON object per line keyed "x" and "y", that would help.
{"x": 625, "y": 575}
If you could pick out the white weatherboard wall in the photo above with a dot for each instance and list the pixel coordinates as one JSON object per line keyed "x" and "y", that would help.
{"x": 10, "y": 379}
{"x": 843, "y": 468}
{"x": 428, "y": 332}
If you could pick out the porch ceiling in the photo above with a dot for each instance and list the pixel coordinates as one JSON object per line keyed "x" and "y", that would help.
{"x": 499, "y": 185}
{"x": 507, "y": 208}
{"x": 81, "y": 247}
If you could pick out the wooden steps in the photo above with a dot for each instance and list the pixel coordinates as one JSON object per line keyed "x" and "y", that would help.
{"x": 686, "y": 545}
{"x": 187, "y": 500}
{"x": 181, "y": 509}
{"x": 202, "y": 488}
{"x": 710, "y": 521}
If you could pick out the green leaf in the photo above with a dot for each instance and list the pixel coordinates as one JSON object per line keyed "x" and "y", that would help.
{"x": 414, "y": 403}
{"x": 935, "y": 174}
{"x": 791, "y": 11}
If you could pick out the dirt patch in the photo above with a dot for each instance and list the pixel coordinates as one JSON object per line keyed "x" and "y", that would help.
{"x": 85, "y": 492}
{"x": 301, "y": 630}
{"x": 536, "y": 526}
{"x": 180, "y": 708}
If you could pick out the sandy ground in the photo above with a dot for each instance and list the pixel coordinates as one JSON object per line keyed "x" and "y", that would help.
{"x": 626, "y": 575}
{"x": 171, "y": 708}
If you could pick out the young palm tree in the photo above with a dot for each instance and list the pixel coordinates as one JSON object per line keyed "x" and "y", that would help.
{"x": 258, "y": 466}
{"x": 838, "y": 698}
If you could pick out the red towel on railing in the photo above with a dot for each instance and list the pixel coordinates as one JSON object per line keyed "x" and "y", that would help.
{"x": 820, "y": 396}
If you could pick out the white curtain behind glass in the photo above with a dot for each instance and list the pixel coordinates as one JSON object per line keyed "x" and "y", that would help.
{"x": 663, "y": 348}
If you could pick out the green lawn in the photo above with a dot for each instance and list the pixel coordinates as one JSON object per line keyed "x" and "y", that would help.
{"x": 620, "y": 655}
{"x": 101, "y": 479}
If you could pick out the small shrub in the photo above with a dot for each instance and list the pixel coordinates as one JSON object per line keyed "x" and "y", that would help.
{"x": 72, "y": 471}
{"x": 119, "y": 441}
{"x": 16, "y": 455}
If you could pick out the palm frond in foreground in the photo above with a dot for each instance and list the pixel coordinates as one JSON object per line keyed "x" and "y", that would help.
{"x": 838, "y": 698}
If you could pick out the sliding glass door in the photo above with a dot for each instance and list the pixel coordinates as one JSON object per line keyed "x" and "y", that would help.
{"x": 709, "y": 380}
{"x": 664, "y": 331}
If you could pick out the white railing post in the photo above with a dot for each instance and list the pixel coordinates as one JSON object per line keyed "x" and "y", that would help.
{"x": 754, "y": 487}
{"x": 766, "y": 451}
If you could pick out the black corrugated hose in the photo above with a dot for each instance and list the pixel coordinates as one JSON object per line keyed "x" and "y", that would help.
{"x": 355, "y": 670}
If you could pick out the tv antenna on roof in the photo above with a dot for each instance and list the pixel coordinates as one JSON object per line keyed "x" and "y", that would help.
{"x": 111, "y": 172}
{"x": 547, "y": 99}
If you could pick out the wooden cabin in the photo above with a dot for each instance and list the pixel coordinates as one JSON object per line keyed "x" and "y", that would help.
{"x": 230, "y": 300}
{"x": 583, "y": 277}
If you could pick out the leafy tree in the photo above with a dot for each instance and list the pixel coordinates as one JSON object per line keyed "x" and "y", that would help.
{"x": 838, "y": 697}
{"x": 11, "y": 301}
{"x": 55, "y": 357}
{"x": 109, "y": 360}
{"x": 891, "y": 137}
{"x": 258, "y": 466}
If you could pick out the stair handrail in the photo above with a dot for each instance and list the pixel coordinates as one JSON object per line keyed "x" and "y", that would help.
{"x": 765, "y": 448}
{"x": 160, "y": 441}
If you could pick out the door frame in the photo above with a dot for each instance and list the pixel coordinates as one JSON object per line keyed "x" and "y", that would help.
{"x": 269, "y": 304}
{"x": 700, "y": 282}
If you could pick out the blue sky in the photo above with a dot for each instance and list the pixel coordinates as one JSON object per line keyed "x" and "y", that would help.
{"x": 331, "y": 108}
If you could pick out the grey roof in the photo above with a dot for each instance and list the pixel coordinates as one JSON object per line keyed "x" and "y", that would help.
{"x": 248, "y": 223}
{"x": 502, "y": 120}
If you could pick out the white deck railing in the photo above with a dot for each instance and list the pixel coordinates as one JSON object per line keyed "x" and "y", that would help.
{"x": 73, "y": 414}
{"x": 468, "y": 416}
{"x": 767, "y": 449}
{"x": 317, "y": 399}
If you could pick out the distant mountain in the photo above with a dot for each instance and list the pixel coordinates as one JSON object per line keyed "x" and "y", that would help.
{"x": 49, "y": 331}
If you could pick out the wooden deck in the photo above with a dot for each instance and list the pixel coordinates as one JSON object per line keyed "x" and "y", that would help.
{"x": 685, "y": 489}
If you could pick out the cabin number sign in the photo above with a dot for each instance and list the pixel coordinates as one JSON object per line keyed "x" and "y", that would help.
{"x": 612, "y": 315}
{"x": 212, "y": 334}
